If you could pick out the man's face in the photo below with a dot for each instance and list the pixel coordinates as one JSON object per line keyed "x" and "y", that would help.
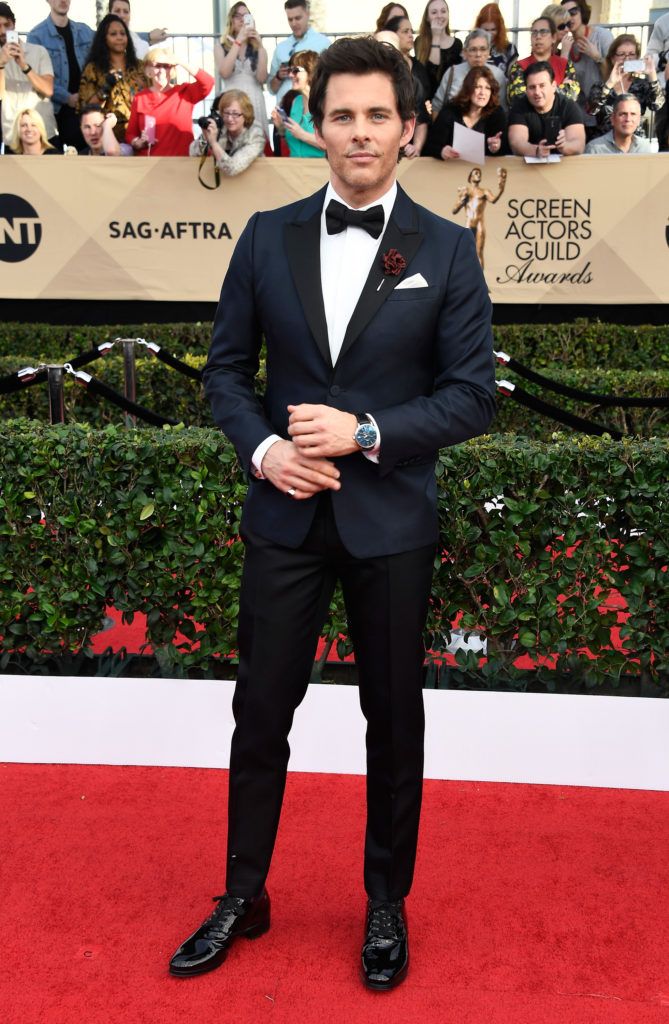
{"x": 475, "y": 176}
{"x": 91, "y": 129}
{"x": 298, "y": 19}
{"x": 363, "y": 133}
{"x": 541, "y": 91}
{"x": 5, "y": 24}
{"x": 121, "y": 8}
{"x": 60, "y": 7}
{"x": 477, "y": 52}
{"x": 625, "y": 119}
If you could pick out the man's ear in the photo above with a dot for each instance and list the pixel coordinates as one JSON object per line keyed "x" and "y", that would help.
{"x": 408, "y": 129}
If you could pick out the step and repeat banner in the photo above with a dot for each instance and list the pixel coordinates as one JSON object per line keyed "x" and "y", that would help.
{"x": 586, "y": 230}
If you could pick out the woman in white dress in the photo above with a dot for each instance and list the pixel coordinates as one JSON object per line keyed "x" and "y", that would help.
{"x": 241, "y": 60}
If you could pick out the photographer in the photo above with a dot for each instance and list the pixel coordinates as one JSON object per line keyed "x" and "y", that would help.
{"x": 113, "y": 75}
{"x": 621, "y": 77}
{"x": 230, "y": 133}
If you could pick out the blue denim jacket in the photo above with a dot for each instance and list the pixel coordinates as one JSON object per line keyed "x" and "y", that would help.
{"x": 47, "y": 35}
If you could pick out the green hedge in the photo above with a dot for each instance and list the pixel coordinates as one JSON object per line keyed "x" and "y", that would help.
{"x": 581, "y": 343}
{"x": 514, "y": 418}
{"x": 148, "y": 521}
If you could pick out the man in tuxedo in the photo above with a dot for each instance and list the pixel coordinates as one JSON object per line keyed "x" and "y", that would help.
{"x": 376, "y": 320}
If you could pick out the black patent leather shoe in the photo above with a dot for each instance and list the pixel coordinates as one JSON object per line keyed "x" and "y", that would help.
{"x": 385, "y": 953}
{"x": 208, "y": 947}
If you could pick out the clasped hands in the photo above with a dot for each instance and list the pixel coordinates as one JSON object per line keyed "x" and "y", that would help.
{"x": 303, "y": 466}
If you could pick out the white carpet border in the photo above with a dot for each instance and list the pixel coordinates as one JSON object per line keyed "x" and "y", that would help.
{"x": 620, "y": 742}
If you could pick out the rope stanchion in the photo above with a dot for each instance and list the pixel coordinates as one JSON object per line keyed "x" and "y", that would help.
{"x": 553, "y": 412}
{"x": 97, "y": 387}
{"x": 617, "y": 401}
{"x": 164, "y": 357}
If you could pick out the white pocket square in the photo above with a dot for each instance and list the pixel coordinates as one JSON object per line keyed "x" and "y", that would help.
{"x": 415, "y": 281}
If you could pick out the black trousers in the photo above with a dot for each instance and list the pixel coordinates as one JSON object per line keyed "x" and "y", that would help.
{"x": 284, "y": 602}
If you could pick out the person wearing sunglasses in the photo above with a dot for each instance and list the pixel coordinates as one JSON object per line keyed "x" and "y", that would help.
{"x": 588, "y": 47}
{"x": 543, "y": 37}
{"x": 557, "y": 13}
{"x": 297, "y": 126}
{"x": 644, "y": 86}
{"x": 232, "y": 136}
{"x": 161, "y": 117}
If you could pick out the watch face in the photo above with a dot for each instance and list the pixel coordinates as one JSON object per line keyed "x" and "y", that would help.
{"x": 366, "y": 435}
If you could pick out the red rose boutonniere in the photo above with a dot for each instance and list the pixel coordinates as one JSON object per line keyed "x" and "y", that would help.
{"x": 393, "y": 263}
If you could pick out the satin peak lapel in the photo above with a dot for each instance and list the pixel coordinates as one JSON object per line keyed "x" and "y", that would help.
{"x": 303, "y": 250}
{"x": 378, "y": 286}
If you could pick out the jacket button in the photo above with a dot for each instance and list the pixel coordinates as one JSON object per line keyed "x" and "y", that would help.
{"x": 335, "y": 390}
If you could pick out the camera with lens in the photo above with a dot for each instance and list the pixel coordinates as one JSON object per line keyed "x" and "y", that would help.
{"x": 215, "y": 117}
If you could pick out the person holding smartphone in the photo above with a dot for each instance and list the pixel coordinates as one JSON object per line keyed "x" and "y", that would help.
{"x": 587, "y": 46}
{"x": 241, "y": 60}
{"x": 26, "y": 77}
{"x": 298, "y": 127}
{"x": 625, "y": 72}
{"x": 543, "y": 121}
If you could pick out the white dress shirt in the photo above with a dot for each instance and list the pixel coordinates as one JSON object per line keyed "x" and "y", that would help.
{"x": 346, "y": 259}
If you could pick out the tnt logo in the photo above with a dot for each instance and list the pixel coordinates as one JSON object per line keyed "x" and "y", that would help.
{"x": 20, "y": 229}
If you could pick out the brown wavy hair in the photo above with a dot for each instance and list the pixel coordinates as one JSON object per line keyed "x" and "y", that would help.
{"x": 383, "y": 16}
{"x": 464, "y": 97}
{"x": 361, "y": 56}
{"x": 618, "y": 41}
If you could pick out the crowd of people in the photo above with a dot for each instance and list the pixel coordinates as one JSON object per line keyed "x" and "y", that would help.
{"x": 66, "y": 88}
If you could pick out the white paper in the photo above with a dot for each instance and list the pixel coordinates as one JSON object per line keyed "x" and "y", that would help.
{"x": 468, "y": 143}
{"x": 552, "y": 158}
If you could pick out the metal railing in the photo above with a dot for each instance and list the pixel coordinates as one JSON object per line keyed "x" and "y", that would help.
{"x": 198, "y": 50}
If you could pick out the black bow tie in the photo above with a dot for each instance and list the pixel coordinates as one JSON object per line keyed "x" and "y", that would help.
{"x": 338, "y": 217}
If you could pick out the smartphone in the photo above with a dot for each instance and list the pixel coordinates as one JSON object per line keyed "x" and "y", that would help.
{"x": 282, "y": 114}
{"x": 629, "y": 66}
{"x": 150, "y": 128}
{"x": 551, "y": 129}
{"x": 12, "y": 35}
{"x": 248, "y": 21}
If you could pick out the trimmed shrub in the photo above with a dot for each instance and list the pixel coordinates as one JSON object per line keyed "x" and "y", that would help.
{"x": 542, "y": 546}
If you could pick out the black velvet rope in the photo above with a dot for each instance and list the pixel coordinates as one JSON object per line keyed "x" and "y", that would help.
{"x": 619, "y": 401}
{"x": 12, "y": 382}
{"x": 560, "y": 415}
{"x": 97, "y": 387}
{"x": 178, "y": 365}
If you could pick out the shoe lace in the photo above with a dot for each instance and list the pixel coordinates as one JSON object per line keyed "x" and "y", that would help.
{"x": 229, "y": 907}
{"x": 385, "y": 922}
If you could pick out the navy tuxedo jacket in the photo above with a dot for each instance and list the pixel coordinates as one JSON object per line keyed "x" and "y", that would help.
{"x": 418, "y": 359}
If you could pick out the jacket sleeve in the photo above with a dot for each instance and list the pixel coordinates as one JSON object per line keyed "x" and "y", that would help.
{"x": 462, "y": 404}
{"x": 237, "y": 162}
{"x": 234, "y": 355}
{"x": 200, "y": 88}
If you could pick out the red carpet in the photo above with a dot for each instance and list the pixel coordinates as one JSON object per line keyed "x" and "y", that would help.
{"x": 532, "y": 904}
